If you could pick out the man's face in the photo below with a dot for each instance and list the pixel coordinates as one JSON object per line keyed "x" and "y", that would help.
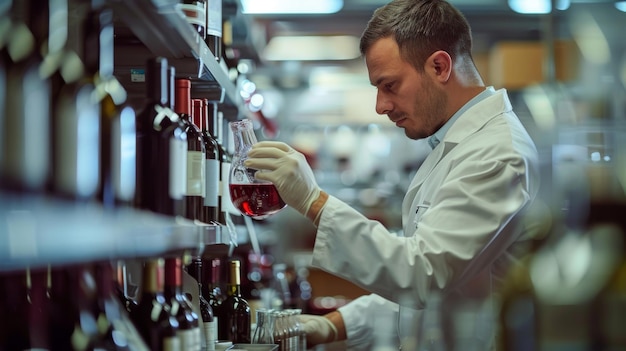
{"x": 411, "y": 99}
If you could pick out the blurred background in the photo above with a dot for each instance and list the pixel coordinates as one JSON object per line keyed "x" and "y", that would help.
{"x": 294, "y": 69}
{"x": 562, "y": 62}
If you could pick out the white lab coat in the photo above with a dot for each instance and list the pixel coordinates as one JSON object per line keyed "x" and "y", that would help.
{"x": 459, "y": 216}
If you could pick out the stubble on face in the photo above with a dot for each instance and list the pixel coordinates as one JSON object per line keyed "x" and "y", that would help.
{"x": 428, "y": 113}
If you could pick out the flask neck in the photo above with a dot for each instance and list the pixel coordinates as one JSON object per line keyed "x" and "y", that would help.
{"x": 243, "y": 135}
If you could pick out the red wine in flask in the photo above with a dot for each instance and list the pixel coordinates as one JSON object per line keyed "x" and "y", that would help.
{"x": 257, "y": 200}
{"x": 252, "y": 197}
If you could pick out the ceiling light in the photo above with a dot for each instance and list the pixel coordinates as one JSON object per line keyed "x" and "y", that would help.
{"x": 291, "y": 6}
{"x": 531, "y": 6}
{"x": 620, "y": 5}
{"x": 312, "y": 48}
{"x": 537, "y": 6}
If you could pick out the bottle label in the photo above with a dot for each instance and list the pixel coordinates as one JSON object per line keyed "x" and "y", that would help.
{"x": 178, "y": 168}
{"x": 171, "y": 343}
{"x": 210, "y": 334}
{"x": 195, "y": 13}
{"x": 79, "y": 140}
{"x": 196, "y": 173}
{"x": 212, "y": 175}
{"x": 123, "y": 153}
{"x": 214, "y": 18}
{"x": 137, "y": 75}
{"x": 187, "y": 339}
{"x": 197, "y": 338}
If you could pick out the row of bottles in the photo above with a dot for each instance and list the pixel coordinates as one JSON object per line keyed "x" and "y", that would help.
{"x": 87, "y": 307}
{"x": 65, "y": 308}
{"x": 206, "y": 17}
{"x": 67, "y": 129}
{"x": 230, "y": 310}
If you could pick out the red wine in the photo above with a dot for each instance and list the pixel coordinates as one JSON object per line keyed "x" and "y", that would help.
{"x": 196, "y": 151}
{"x": 210, "y": 208}
{"x": 256, "y": 200}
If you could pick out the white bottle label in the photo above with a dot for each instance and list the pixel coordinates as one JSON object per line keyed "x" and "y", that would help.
{"x": 212, "y": 175}
{"x": 172, "y": 344}
{"x": 196, "y": 173}
{"x": 178, "y": 168}
{"x": 210, "y": 334}
{"x": 123, "y": 154}
{"x": 214, "y": 18}
{"x": 187, "y": 339}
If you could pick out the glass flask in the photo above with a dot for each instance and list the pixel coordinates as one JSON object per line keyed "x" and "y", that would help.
{"x": 264, "y": 332}
{"x": 255, "y": 198}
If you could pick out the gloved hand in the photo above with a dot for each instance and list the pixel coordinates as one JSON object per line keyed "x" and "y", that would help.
{"x": 288, "y": 170}
{"x": 318, "y": 329}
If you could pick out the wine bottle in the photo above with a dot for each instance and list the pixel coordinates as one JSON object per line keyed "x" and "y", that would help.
{"x": 225, "y": 164}
{"x": 152, "y": 316}
{"x": 25, "y": 160}
{"x": 188, "y": 325}
{"x": 196, "y": 151}
{"x": 121, "y": 285}
{"x": 214, "y": 27}
{"x": 5, "y": 25}
{"x": 196, "y": 13}
{"x": 161, "y": 147}
{"x": 81, "y": 291}
{"x": 236, "y": 310}
{"x": 209, "y": 320}
{"x": 26, "y": 310}
{"x": 213, "y": 130}
{"x": 115, "y": 329}
{"x": 76, "y": 122}
{"x": 117, "y": 132}
{"x": 213, "y": 291}
{"x": 63, "y": 311}
{"x": 212, "y": 164}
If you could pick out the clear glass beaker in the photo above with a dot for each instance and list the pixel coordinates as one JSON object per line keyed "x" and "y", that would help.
{"x": 255, "y": 198}
{"x": 264, "y": 332}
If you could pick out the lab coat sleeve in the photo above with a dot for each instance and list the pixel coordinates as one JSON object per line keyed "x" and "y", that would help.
{"x": 368, "y": 319}
{"x": 466, "y": 226}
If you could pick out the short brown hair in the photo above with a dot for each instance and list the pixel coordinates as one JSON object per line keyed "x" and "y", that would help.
{"x": 420, "y": 27}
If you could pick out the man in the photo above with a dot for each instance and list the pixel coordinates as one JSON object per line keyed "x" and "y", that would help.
{"x": 462, "y": 211}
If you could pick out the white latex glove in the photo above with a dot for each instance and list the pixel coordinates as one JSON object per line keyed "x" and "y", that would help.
{"x": 318, "y": 329}
{"x": 288, "y": 170}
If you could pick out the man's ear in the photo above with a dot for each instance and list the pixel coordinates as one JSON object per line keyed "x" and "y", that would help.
{"x": 439, "y": 64}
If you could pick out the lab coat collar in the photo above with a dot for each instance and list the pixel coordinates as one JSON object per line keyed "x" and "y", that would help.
{"x": 477, "y": 116}
{"x": 467, "y": 124}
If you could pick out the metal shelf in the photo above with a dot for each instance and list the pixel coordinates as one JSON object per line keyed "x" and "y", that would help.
{"x": 36, "y": 231}
{"x": 164, "y": 31}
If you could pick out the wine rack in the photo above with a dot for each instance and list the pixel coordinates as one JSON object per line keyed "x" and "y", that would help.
{"x": 147, "y": 28}
{"x": 36, "y": 231}
{"x": 39, "y": 230}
